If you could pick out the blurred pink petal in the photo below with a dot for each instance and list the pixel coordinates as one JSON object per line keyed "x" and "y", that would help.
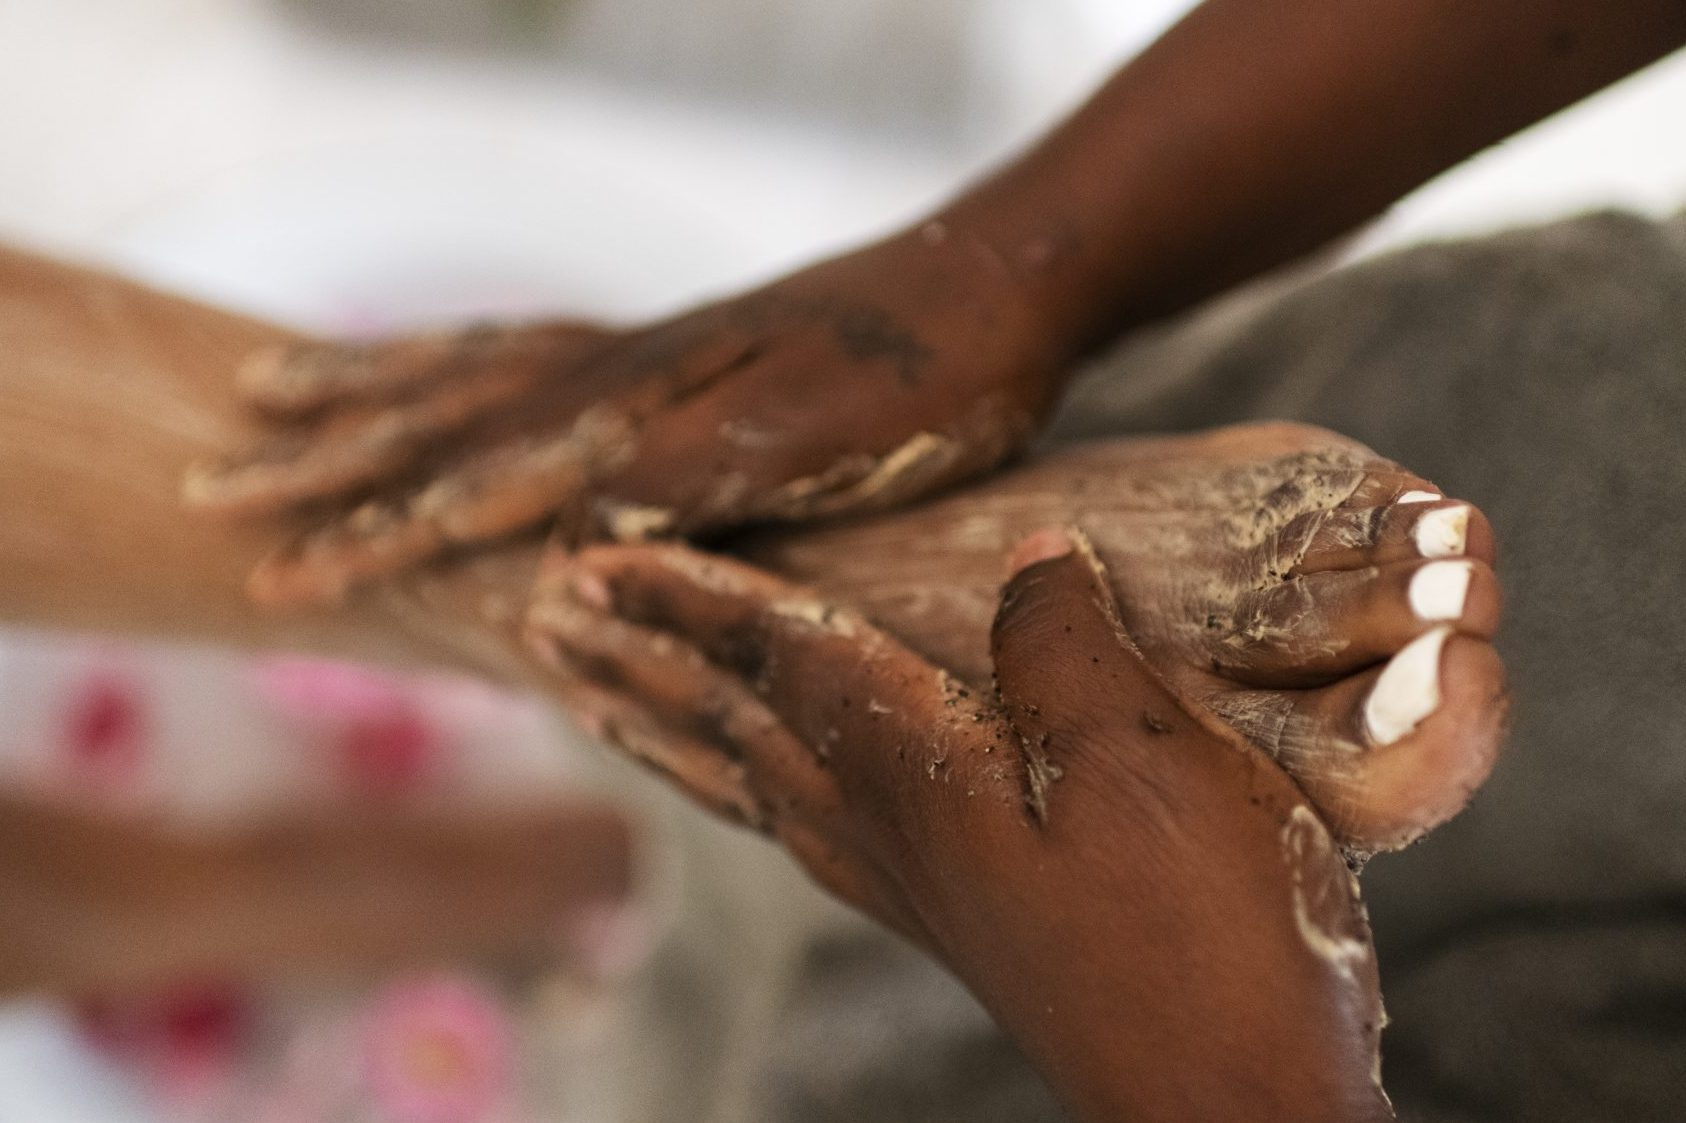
{"x": 388, "y": 755}
{"x": 186, "y": 1040}
{"x": 319, "y": 690}
{"x": 376, "y": 725}
{"x": 439, "y": 1051}
{"x": 462, "y": 703}
{"x": 105, "y": 725}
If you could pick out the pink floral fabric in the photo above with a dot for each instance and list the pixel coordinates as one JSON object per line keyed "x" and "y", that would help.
{"x": 213, "y": 736}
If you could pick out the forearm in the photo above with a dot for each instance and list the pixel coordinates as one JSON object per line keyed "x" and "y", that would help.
{"x": 91, "y": 901}
{"x": 1257, "y": 130}
{"x": 108, "y": 390}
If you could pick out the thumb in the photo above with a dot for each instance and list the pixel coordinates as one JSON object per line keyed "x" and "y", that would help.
{"x": 1071, "y": 680}
{"x": 1224, "y": 861}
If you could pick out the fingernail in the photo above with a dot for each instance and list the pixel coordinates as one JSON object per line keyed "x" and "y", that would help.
{"x": 1408, "y": 689}
{"x": 1442, "y": 532}
{"x": 1044, "y": 545}
{"x": 1438, "y": 590}
{"x": 1418, "y": 496}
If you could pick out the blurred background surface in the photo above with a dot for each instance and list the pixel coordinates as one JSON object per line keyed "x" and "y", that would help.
{"x": 355, "y": 166}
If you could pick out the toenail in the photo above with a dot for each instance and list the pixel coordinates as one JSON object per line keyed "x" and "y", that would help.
{"x": 1418, "y": 496}
{"x": 1438, "y": 590}
{"x": 1408, "y": 689}
{"x": 1442, "y": 532}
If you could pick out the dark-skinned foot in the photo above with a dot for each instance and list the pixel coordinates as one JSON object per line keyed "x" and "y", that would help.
{"x": 1145, "y": 900}
{"x": 1323, "y": 602}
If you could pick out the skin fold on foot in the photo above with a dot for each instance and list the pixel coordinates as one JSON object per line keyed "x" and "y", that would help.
{"x": 1076, "y": 845}
{"x": 1329, "y": 606}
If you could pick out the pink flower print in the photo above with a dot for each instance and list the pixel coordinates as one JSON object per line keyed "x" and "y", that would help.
{"x": 439, "y": 1051}
{"x": 105, "y": 728}
{"x": 319, "y": 690}
{"x": 381, "y": 738}
{"x": 389, "y": 755}
{"x": 186, "y": 1040}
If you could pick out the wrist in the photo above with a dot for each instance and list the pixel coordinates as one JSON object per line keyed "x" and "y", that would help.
{"x": 1038, "y": 261}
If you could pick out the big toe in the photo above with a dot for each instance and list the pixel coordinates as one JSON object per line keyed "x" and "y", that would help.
{"x": 1389, "y": 753}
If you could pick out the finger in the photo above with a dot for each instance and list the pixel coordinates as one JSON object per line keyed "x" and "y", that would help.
{"x": 1070, "y": 679}
{"x": 767, "y": 462}
{"x": 349, "y": 452}
{"x": 513, "y": 486}
{"x": 510, "y": 490}
{"x": 706, "y": 775}
{"x": 795, "y": 791}
{"x": 877, "y": 714}
{"x": 304, "y": 378}
{"x": 685, "y": 693}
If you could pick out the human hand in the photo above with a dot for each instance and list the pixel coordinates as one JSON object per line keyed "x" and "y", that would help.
{"x": 857, "y": 384}
{"x": 1144, "y": 900}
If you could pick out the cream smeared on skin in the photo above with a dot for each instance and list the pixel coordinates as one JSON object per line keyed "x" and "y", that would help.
{"x": 859, "y": 478}
{"x": 820, "y": 615}
{"x": 633, "y": 522}
{"x": 1201, "y": 545}
{"x": 1305, "y": 841}
{"x": 1443, "y": 532}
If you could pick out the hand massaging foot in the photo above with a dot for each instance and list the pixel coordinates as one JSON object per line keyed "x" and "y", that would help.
{"x": 1325, "y": 604}
{"x": 1130, "y": 886}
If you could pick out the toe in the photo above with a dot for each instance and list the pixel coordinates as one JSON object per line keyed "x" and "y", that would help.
{"x": 1319, "y": 627}
{"x": 1391, "y": 753}
{"x": 1404, "y": 530}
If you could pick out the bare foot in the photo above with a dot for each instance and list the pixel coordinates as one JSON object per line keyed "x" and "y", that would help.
{"x": 1322, "y": 601}
{"x": 1145, "y": 900}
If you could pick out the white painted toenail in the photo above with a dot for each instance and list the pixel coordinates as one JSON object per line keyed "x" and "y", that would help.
{"x": 1443, "y": 532}
{"x": 1408, "y": 691}
{"x": 1419, "y": 497}
{"x": 1438, "y": 590}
